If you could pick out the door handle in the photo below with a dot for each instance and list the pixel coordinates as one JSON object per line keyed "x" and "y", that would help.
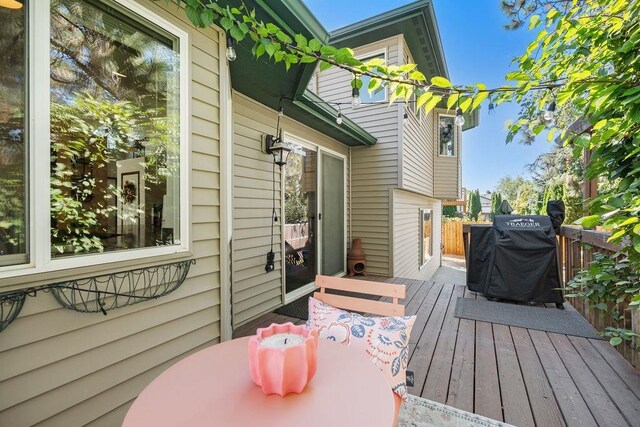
{"x": 319, "y": 217}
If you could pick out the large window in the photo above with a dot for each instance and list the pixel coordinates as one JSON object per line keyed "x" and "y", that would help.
{"x": 426, "y": 238}
{"x": 115, "y": 131}
{"x": 13, "y": 148}
{"x": 447, "y": 136}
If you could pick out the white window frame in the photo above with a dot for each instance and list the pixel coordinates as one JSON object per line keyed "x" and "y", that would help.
{"x": 421, "y": 249}
{"x": 365, "y": 57}
{"x": 38, "y": 129}
{"x": 455, "y": 136}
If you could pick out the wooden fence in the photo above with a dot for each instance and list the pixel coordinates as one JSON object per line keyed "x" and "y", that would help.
{"x": 452, "y": 236}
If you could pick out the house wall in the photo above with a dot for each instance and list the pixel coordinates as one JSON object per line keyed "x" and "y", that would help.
{"x": 60, "y": 367}
{"x": 418, "y": 147}
{"x": 447, "y": 170}
{"x": 374, "y": 170}
{"x": 255, "y": 292}
{"x": 406, "y": 235}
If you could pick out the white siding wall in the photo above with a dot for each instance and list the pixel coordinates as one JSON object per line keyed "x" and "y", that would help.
{"x": 60, "y": 367}
{"x": 255, "y": 292}
{"x": 374, "y": 170}
{"x": 406, "y": 235}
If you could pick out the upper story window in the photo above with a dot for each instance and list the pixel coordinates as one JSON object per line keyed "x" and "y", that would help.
{"x": 115, "y": 161}
{"x": 380, "y": 95}
{"x": 446, "y": 136}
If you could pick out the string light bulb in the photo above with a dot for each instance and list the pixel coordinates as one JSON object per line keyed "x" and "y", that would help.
{"x": 405, "y": 118}
{"x": 281, "y": 111}
{"x": 231, "y": 49}
{"x": 549, "y": 114}
{"x": 459, "y": 120}
{"x": 355, "y": 97}
{"x": 339, "y": 118}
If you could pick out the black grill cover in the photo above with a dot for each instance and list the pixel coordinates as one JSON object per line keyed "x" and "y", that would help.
{"x": 555, "y": 210}
{"x": 524, "y": 263}
{"x": 480, "y": 249}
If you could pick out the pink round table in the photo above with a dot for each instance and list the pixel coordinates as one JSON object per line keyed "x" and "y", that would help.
{"x": 213, "y": 388}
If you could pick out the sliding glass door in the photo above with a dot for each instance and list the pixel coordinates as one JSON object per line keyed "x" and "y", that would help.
{"x": 332, "y": 214}
{"x": 313, "y": 217}
{"x": 300, "y": 218}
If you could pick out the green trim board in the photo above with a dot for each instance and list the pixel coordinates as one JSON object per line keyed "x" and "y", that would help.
{"x": 268, "y": 83}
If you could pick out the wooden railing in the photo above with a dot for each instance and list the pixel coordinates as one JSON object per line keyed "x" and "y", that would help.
{"x": 574, "y": 255}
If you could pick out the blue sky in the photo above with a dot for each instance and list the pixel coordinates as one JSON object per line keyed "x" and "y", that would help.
{"x": 477, "y": 49}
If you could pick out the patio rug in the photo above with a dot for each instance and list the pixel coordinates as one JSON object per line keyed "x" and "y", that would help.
{"x": 419, "y": 412}
{"x": 567, "y": 322}
{"x": 300, "y": 307}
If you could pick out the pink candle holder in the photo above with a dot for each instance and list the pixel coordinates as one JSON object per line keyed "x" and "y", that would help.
{"x": 283, "y": 358}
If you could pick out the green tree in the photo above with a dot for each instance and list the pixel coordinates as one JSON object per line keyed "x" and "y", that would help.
{"x": 508, "y": 187}
{"x": 449, "y": 211}
{"x": 559, "y": 169}
{"x": 526, "y": 201}
{"x": 475, "y": 207}
{"x": 496, "y": 201}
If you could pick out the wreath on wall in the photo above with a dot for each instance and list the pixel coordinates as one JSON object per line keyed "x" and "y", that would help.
{"x": 129, "y": 191}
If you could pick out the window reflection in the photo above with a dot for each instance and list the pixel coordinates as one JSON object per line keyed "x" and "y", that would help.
{"x": 426, "y": 250}
{"x": 114, "y": 130}
{"x": 13, "y": 145}
{"x": 447, "y": 136}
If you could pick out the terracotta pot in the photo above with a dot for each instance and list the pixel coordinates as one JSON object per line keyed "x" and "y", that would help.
{"x": 356, "y": 251}
{"x": 356, "y": 260}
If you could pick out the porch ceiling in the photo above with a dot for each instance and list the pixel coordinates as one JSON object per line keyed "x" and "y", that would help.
{"x": 268, "y": 83}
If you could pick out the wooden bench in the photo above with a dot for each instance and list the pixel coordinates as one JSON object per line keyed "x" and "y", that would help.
{"x": 380, "y": 308}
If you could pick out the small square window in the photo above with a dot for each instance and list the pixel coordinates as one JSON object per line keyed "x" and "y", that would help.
{"x": 447, "y": 136}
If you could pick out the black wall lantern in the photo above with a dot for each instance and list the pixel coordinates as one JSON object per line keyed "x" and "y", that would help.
{"x": 278, "y": 149}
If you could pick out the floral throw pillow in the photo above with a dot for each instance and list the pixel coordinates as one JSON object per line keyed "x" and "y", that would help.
{"x": 385, "y": 340}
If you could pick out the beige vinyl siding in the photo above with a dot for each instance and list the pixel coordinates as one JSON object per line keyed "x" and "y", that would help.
{"x": 63, "y": 368}
{"x": 255, "y": 292}
{"x": 406, "y": 233}
{"x": 374, "y": 170}
{"x": 447, "y": 169}
{"x": 417, "y": 147}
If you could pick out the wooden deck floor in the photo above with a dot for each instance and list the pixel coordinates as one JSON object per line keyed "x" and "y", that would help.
{"x": 521, "y": 376}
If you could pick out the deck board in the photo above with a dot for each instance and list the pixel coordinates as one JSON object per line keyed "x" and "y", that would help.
{"x": 543, "y": 402}
{"x": 520, "y": 376}
{"x": 515, "y": 401}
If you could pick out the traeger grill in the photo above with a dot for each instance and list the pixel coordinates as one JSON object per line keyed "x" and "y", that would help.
{"x": 515, "y": 259}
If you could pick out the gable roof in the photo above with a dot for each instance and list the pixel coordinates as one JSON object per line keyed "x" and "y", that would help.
{"x": 416, "y": 21}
